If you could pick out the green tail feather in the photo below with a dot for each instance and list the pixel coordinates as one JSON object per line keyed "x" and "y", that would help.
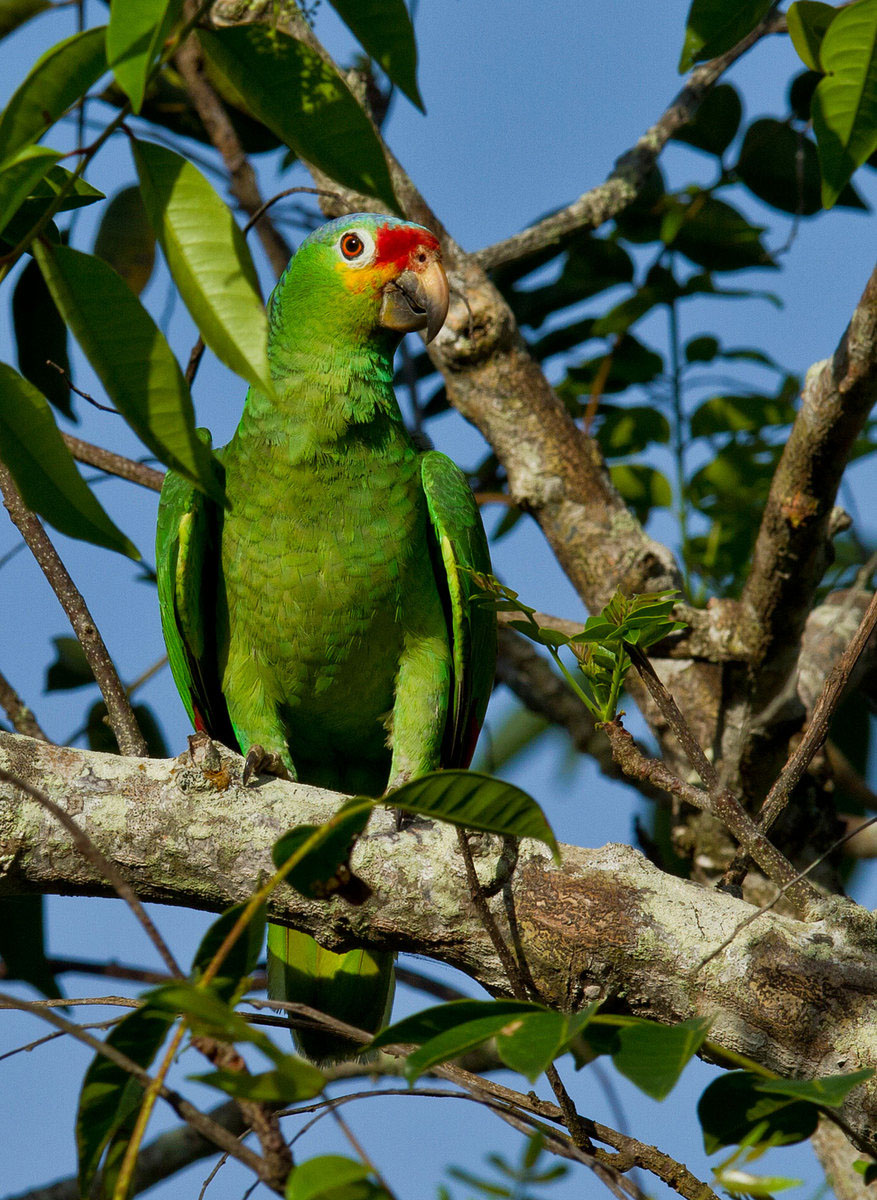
{"x": 356, "y": 987}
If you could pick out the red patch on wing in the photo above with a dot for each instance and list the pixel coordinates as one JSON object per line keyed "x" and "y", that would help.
{"x": 394, "y": 244}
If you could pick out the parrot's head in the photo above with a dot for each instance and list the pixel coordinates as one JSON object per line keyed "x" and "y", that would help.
{"x": 366, "y": 274}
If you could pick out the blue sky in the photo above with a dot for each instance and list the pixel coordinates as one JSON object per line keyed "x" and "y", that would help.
{"x": 527, "y": 106}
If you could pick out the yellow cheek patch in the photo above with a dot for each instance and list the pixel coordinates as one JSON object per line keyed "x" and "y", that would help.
{"x": 363, "y": 279}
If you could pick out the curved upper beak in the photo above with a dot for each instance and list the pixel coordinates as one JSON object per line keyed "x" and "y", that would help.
{"x": 417, "y": 300}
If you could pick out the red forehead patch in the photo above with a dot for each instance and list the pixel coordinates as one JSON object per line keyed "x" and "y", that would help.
{"x": 394, "y": 243}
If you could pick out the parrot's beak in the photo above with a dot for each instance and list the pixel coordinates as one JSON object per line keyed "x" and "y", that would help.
{"x": 417, "y": 300}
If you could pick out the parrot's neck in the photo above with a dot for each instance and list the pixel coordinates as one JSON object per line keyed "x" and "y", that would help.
{"x": 328, "y": 389}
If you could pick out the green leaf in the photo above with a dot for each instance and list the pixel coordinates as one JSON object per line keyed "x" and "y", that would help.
{"x": 653, "y": 1056}
{"x": 808, "y": 21}
{"x": 715, "y": 124}
{"x": 135, "y": 35}
{"x": 643, "y": 488}
{"x": 56, "y": 81}
{"x": 734, "y": 1108}
{"x": 702, "y": 349}
{"x": 19, "y": 175}
{"x": 324, "y": 870}
{"x": 739, "y": 414}
{"x": 70, "y": 669}
{"x": 830, "y": 1089}
{"x": 14, "y": 13}
{"x": 305, "y": 102}
{"x": 384, "y": 29}
{"x": 845, "y": 102}
{"x": 741, "y": 1183}
{"x": 475, "y": 802}
{"x": 43, "y": 467}
{"x": 125, "y": 239}
{"x": 109, "y": 1095}
{"x": 716, "y": 236}
{"x": 41, "y": 336}
{"x": 442, "y": 1018}
{"x": 800, "y": 93}
{"x": 714, "y": 26}
{"x": 780, "y": 166}
{"x": 332, "y": 1177}
{"x": 209, "y": 260}
{"x": 243, "y": 957}
{"x": 131, "y": 358}
{"x": 22, "y": 943}
{"x": 100, "y": 736}
{"x": 297, "y": 1081}
{"x": 631, "y": 429}
{"x": 867, "y": 1168}
{"x": 456, "y": 1041}
{"x": 530, "y": 1044}
{"x": 206, "y": 1011}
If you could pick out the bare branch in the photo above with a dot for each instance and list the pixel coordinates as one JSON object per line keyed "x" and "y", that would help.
{"x": 122, "y": 719}
{"x": 114, "y": 464}
{"x": 23, "y": 720}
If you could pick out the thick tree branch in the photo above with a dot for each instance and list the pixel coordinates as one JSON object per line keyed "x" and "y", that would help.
{"x": 799, "y": 998}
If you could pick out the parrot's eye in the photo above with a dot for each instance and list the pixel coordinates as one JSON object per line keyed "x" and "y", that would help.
{"x": 352, "y": 245}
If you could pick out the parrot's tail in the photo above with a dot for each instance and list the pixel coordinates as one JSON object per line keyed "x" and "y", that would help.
{"x": 356, "y": 988}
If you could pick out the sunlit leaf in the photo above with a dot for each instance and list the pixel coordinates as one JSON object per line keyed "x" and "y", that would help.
{"x": 19, "y": 175}
{"x": 442, "y": 1018}
{"x": 135, "y": 34}
{"x": 305, "y": 102}
{"x": 476, "y": 802}
{"x": 208, "y": 259}
{"x": 56, "y": 81}
{"x": 529, "y": 1044}
{"x": 650, "y": 1055}
{"x": 297, "y": 1081}
{"x": 714, "y": 26}
{"x": 332, "y": 1177}
{"x": 643, "y": 488}
{"x": 631, "y": 429}
{"x": 125, "y": 239}
{"x": 739, "y": 414}
{"x": 808, "y": 21}
{"x": 845, "y": 102}
{"x": 131, "y": 357}
{"x": 384, "y": 29}
{"x": 742, "y": 1183}
{"x": 830, "y": 1089}
{"x": 43, "y": 467}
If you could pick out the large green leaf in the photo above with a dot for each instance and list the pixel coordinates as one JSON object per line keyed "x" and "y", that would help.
{"x": 125, "y": 239}
{"x": 780, "y": 166}
{"x": 733, "y": 1108}
{"x": 332, "y": 1177}
{"x": 242, "y": 958}
{"x": 830, "y": 1089}
{"x": 43, "y": 467}
{"x": 15, "y": 12}
{"x": 442, "y": 1018}
{"x": 22, "y": 943}
{"x": 717, "y": 236}
{"x": 650, "y": 1055}
{"x": 475, "y": 802}
{"x": 109, "y": 1095}
{"x": 305, "y": 102}
{"x": 384, "y": 29}
{"x": 845, "y": 102}
{"x": 714, "y": 125}
{"x": 19, "y": 175}
{"x": 208, "y": 258}
{"x": 56, "y": 81}
{"x": 808, "y": 21}
{"x": 714, "y": 26}
{"x": 135, "y": 34}
{"x": 318, "y": 873}
{"x": 132, "y": 359}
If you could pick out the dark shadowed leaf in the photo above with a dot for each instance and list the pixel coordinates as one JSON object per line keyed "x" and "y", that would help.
{"x": 631, "y": 429}
{"x": 134, "y": 37}
{"x": 384, "y": 29}
{"x": 109, "y": 1095}
{"x": 41, "y": 337}
{"x": 808, "y": 21}
{"x": 718, "y": 237}
{"x": 781, "y": 167}
{"x": 241, "y": 960}
{"x": 845, "y": 102}
{"x": 132, "y": 359}
{"x": 99, "y": 733}
{"x": 56, "y": 81}
{"x": 14, "y": 13}
{"x": 733, "y": 1108}
{"x": 324, "y": 869}
{"x": 70, "y": 669}
{"x": 739, "y": 414}
{"x": 714, "y": 26}
{"x": 209, "y": 260}
{"x": 22, "y": 943}
{"x": 125, "y": 239}
{"x": 801, "y": 91}
{"x": 305, "y": 102}
{"x": 476, "y": 802}
{"x": 716, "y": 121}
{"x": 643, "y": 488}
{"x": 43, "y": 467}
{"x": 442, "y": 1018}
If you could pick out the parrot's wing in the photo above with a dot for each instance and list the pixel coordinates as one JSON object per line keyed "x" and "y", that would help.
{"x": 460, "y": 548}
{"x": 187, "y": 561}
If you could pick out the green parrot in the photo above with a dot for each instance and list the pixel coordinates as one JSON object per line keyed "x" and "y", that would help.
{"x": 323, "y": 623}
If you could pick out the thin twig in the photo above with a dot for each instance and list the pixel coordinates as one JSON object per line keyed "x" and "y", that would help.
{"x": 23, "y": 720}
{"x": 114, "y": 464}
{"x": 107, "y": 408}
{"x": 122, "y": 719}
{"x": 86, "y": 847}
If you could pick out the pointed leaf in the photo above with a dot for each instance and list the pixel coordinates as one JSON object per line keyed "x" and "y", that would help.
{"x": 41, "y": 337}
{"x": 43, "y": 467}
{"x": 456, "y": 1041}
{"x": 714, "y": 26}
{"x": 475, "y": 802}
{"x": 14, "y": 13}
{"x": 741, "y": 1183}
{"x": 830, "y": 1089}
{"x": 323, "y": 870}
{"x": 780, "y": 166}
{"x": 714, "y": 125}
{"x": 209, "y": 260}
{"x": 109, "y": 1094}
{"x": 135, "y": 35}
{"x": 70, "y": 669}
{"x": 384, "y": 29}
{"x": 241, "y": 960}
{"x": 441, "y": 1018}
{"x": 331, "y": 1177}
{"x": 297, "y": 1081}
{"x": 125, "y": 239}
{"x": 845, "y": 102}
{"x": 529, "y": 1044}
{"x": 19, "y": 175}
{"x": 808, "y": 21}
{"x": 653, "y": 1056}
{"x": 56, "y": 81}
{"x": 132, "y": 359}
{"x": 305, "y": 102}
{"x": 22, "y": 943}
